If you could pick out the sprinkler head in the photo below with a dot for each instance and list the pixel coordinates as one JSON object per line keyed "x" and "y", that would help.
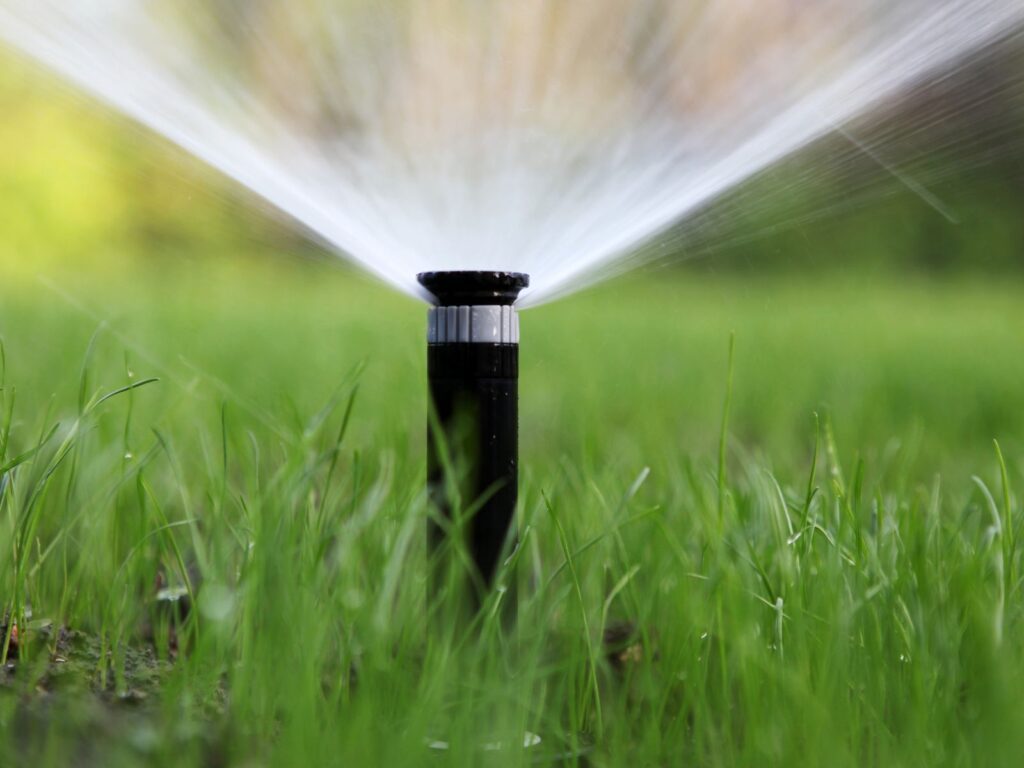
{"x": 467, "y": 288}
{"x": 473, "y": 371}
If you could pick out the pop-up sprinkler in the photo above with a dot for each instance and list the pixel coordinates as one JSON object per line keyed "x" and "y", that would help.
{"x": 473, "y": 432}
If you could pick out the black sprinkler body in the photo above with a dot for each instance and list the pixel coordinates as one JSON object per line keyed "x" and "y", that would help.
{"x": 473, "y": 434}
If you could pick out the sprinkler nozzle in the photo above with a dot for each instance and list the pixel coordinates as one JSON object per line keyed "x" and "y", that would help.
{"x": 474, "y": 288}
{"x": 473, "y": 370}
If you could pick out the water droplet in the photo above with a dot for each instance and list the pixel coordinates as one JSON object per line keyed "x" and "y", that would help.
{"x": 216, "y": 602}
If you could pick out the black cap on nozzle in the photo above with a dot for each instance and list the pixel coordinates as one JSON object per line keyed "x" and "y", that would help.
{"x": 474, "y": 288}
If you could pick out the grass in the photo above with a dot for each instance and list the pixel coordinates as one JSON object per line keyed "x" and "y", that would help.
{"x": 227, "y": 566}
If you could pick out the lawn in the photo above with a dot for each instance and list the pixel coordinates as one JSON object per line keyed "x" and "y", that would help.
{"x": 227, "y": 565}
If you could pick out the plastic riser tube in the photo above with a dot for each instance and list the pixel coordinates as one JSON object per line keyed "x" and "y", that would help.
{"x": 473, "y": 433}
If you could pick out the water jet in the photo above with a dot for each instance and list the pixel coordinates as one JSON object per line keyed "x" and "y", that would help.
{"x": 554, "y": 139}
{"x": 473, "y": 430}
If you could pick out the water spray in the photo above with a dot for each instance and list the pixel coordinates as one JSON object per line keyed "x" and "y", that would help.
{"x": 473, "y": 432}
{"x": 397, "y": 132}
